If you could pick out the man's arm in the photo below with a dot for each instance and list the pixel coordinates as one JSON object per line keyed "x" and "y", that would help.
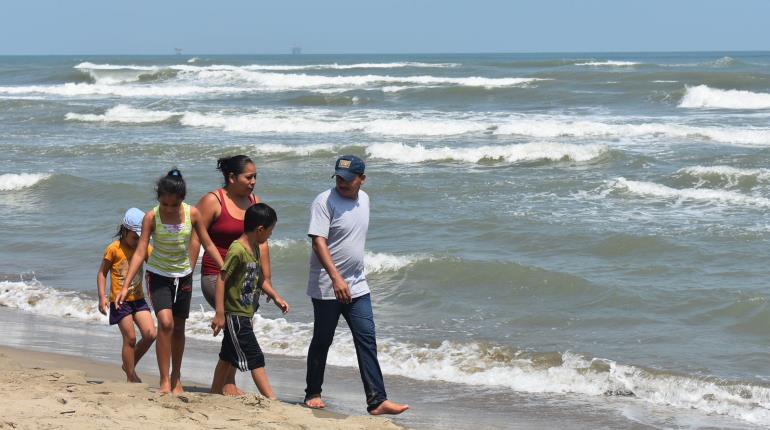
{"x": 321, "y": 249}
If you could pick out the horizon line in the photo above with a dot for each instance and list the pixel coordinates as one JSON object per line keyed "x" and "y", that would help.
{"x": 289, "y": 54}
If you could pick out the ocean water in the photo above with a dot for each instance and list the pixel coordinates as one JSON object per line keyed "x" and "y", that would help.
{"x": 580, "y": 238}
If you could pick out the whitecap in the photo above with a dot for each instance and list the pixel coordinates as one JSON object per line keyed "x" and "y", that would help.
{"x": 418, "y": 153}
{"x": 124, "y": 114}
{"x": 703, "y": 96}
{"x": 19, "y": 181}
{"x": 608, "y": 63}
{"x": 708, "y": 196}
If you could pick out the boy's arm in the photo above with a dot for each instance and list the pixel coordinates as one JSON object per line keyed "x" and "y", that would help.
{"x": 264, "y": 266}
{"x": 277, "y": 299}
{"x": 101, "y": 285}
{"x": 219, "y": 303}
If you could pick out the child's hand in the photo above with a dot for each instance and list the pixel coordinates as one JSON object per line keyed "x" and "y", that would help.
{"x": 218, "y": 323}
{"x": 281, "y": 303}
{"x": 121, "y": 297}
{"x": 103, "y": 305}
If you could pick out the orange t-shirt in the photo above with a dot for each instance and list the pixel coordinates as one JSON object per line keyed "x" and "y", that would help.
{"x": 119, "y": 258}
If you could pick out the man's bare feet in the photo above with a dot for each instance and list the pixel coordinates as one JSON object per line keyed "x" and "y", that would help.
{"x": 315, "y": 403}
{"x": 176, "y": 384}
{"x": 164, "y": 387}
{"x": 232, "y": 390}
{"x": 389, "y": 408}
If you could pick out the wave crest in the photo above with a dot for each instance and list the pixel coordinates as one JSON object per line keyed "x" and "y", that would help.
{"x": 402, "y": 153}
{"x": 124, "y": 114}
{"x": 708, "y": 196}
{"x": 703, "y": 96}
{"x": 19, "y": 181}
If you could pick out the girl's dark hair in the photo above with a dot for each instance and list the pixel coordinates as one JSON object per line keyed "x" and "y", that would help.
{"x": 235, "y": 165}
{"x": 172, "y": 183}
{"x": 257, "y": 215}
{"x": 122, "y": 232}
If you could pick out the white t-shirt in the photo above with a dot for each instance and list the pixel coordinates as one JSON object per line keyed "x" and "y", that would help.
{"x": 344, "y": 223}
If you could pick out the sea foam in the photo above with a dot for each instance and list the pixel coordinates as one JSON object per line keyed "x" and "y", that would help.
{"x": 731, "y": 175}
{"x": 418, "y": 153}
{"x": 19, "y": 181}
{"x": 709, "y": 196}
{"x": 608, "y": 63}
{"x": 703, "y": 96}
{"x": 124, "y": 114}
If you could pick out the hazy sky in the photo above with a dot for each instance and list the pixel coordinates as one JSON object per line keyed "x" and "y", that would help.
{"x": 371, "y": 26}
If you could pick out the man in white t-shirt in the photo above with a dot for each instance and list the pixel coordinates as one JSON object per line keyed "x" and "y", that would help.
{"x": 339, "y": 221}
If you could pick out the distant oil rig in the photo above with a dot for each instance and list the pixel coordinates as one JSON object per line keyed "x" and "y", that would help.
{"x": 178, "y": 51}
{"x": 296, "y": 49}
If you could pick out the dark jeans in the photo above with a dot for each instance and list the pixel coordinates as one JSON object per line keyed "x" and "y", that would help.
{"x": 360, "y": 318}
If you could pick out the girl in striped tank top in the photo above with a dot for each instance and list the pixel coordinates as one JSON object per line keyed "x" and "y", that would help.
{"x": 169, "y": 272}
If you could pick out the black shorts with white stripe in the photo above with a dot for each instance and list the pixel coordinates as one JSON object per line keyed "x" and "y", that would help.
{"x": 240, "y": 347}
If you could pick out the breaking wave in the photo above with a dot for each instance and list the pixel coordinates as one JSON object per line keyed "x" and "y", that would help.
{"x": 124, "y": 114}
{"x": 730, "y": 176}
{"x": 703, "y": 195}
{"x": 703, "y": 96}
{"x": 608, "y": 63}
{"x": 19, "y": 181}
{"x": 402, "y": 153}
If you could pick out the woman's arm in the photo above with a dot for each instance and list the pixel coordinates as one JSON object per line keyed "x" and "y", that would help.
{"x": 209, "y": 208}
{"x": 203, "y": 235}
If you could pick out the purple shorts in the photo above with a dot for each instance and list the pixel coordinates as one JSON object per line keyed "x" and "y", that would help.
{"x": 126, "y": 309}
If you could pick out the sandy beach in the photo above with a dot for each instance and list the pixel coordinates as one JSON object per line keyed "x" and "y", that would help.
{"x": 46, "y": 390}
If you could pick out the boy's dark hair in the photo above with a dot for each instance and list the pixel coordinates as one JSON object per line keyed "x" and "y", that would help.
{"x": 258, "y": 215}
{"x": 235, "y": 165}
{"x": 172, "y": 183}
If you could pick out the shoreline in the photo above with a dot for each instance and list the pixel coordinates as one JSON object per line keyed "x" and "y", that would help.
{"x": 44, "y": 390}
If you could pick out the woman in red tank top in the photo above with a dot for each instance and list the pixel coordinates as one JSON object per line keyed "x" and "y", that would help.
{"x": 222, "y": 213}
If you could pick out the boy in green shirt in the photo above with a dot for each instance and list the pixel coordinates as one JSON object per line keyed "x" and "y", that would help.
{"x": 237, "y": 298}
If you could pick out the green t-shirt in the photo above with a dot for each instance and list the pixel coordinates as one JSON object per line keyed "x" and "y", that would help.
{"x": 242, "y": 288}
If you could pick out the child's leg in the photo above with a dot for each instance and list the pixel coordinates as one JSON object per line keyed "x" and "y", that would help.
{"x": 146, "y": 325}
{"x": 126, "y": 326}
{"x": 177, "y": 351}
{"x": 220, "y": 376}
{"x": 229, "y": 388}
{"x": 181, "y": 310}
{"x": 163, "y": 347}
{"x": 263, "y": 384}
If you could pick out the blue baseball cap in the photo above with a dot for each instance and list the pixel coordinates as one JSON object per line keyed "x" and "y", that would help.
{"x": 348, "y": 167}
{"x": 132, "y": 220}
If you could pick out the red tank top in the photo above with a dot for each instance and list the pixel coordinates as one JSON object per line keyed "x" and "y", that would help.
{"x": 223, "y": 231}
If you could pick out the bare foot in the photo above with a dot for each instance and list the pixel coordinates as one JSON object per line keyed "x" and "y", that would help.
{"x": 388, "y": 408}
{"x": 315, "y": 403}
{"x": 133, "y": 377}
{"x": 176, "y": 384}
{"x": 232, "y": 391}
{"x": 164, "y": 387}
